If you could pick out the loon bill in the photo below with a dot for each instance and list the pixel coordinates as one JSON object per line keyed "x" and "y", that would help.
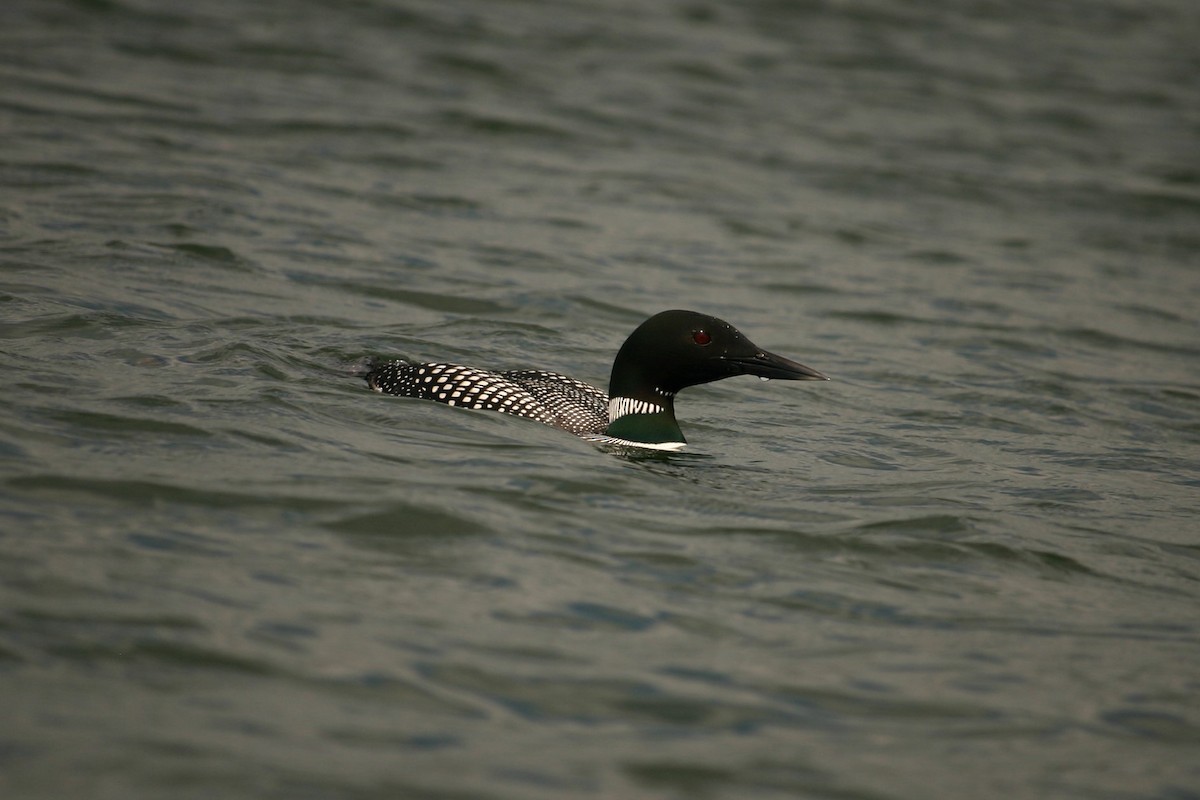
{"x": 668, "y": 352}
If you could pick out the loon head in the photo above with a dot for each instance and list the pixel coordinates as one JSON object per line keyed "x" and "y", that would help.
{"x": 676, "y": 349}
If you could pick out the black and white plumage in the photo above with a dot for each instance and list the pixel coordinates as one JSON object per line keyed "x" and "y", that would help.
{"x": 547, "y": 397}
{"x": 668, "y": 352}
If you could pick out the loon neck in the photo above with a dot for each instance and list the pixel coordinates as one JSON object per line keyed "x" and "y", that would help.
{"x": 649, "y": 419}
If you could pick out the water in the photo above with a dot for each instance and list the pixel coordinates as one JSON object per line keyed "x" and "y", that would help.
{"x": 966, "y": 567}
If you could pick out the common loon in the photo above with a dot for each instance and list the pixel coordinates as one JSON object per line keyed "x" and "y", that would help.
{"x": 668, "y": 352}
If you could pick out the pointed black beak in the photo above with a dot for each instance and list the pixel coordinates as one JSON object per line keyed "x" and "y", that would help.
{"x": 769, "y": 365}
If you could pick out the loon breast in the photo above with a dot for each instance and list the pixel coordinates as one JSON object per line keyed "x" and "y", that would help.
{"x": 547, "y": 397}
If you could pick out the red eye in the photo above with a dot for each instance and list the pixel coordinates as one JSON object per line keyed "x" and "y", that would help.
{"x": 701, "y": 337}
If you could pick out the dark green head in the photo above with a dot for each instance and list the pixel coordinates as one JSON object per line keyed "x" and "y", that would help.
{"x": 676, "y": 349}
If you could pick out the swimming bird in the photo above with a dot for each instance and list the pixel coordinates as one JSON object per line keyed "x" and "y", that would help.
{"x": 668, "y": 352}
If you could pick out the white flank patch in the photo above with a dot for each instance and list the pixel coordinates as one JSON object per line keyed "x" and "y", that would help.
{"x": 601, "y": 439}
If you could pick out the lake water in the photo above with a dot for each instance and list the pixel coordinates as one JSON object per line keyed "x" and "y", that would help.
{"x": 967, "y": 567}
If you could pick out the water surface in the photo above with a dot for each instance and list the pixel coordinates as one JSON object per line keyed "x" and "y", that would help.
{"x": 966, "y": 567}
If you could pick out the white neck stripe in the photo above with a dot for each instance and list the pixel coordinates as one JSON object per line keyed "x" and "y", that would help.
{"x": 621, "y": 406}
